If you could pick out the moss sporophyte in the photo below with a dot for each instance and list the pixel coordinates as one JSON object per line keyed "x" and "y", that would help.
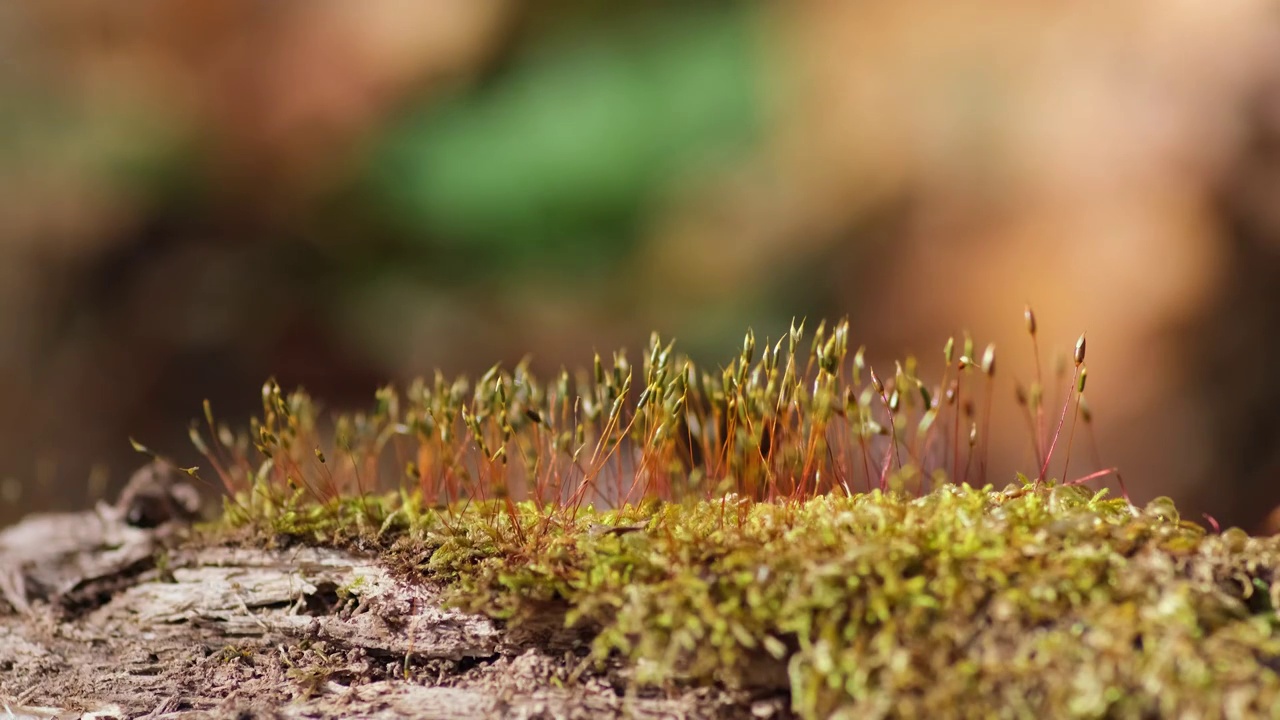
{"x": 795, "y": 519}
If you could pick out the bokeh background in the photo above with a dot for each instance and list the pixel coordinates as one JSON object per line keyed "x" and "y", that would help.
{"x": 197, "y": 195}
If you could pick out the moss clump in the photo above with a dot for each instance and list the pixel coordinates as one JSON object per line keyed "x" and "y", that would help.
{"x": 782, "y": 523}
{"x": 1050, "y": 601}
{"x": 964, "y": 602}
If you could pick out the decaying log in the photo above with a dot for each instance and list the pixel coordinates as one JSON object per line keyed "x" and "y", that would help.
{"x": 94, "y": 626}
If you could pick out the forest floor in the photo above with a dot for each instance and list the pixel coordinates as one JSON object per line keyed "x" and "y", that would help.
{"x": 234, "y": 632}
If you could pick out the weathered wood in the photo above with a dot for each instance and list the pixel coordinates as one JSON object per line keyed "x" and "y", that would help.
{"x": 225, "y": 632}
{"x": 49, "y": 556}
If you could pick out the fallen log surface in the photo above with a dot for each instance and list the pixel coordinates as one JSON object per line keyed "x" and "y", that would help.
{"x": 109, "y": 614}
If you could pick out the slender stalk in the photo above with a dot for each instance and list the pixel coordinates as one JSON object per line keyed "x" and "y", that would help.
{"x": 1084, "y": 374}
{"x": 1075, "y": 377}
{"x": 893, "y": 431}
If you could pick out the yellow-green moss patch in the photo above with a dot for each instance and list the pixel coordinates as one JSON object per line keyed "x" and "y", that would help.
{"x": 1026, "y": 601}
{"x": 784, "y": 522}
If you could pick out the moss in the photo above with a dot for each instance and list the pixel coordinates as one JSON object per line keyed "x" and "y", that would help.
{"x": 953, "y": 603}
{"x": 1033, "y": 599}
{"x": 767, "y": 538}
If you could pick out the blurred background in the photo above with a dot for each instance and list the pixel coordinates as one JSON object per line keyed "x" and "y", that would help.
{"x": 197, "y": 195}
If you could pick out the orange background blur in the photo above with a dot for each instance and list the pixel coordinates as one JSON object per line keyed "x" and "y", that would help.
{"x": 195, "y": 196}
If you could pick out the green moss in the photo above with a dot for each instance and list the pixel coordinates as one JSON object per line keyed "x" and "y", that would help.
{"x": 952, "y": 603}
{"x": 741, "y": 549}
{"x": 1034, "y": 600}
